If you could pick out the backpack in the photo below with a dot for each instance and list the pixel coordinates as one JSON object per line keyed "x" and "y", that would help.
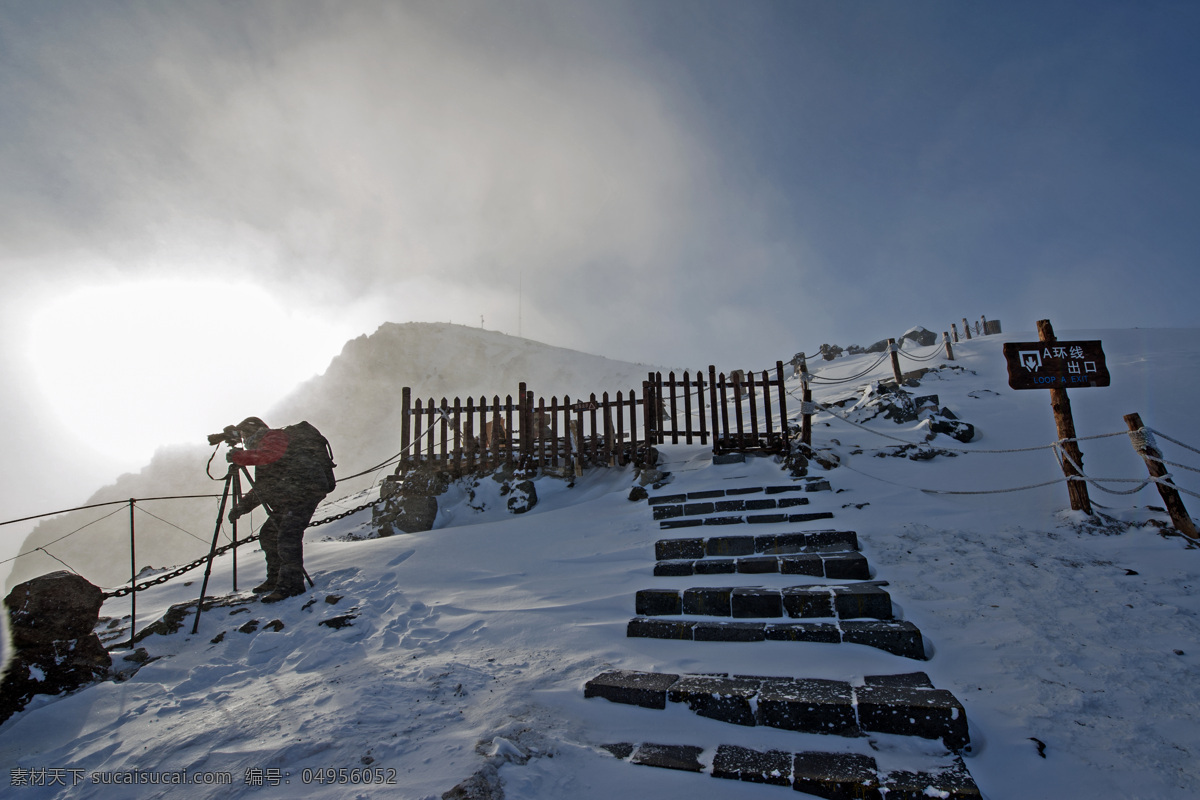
{"x": 311, "y": 456}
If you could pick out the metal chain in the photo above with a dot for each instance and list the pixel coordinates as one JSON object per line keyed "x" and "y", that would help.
{"x": 199, "y": 562}
{"x": 161, "y": 579}
{"x": 345, "y": 514}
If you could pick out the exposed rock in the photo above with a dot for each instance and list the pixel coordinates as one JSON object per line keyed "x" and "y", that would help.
{"x": 337, "y": 623}
{"x": 921, "y": 336}
{"x": 409, "y": 501}
{"x": 60, "y": 605}
{"x": 52, "y": 622}
{"x": 483, "y": 785}
{"x": 962, "y": 431}
{"x": 877, "y": 347}
{"x": 522, "y": 497}
{"x": 830, "y": 351}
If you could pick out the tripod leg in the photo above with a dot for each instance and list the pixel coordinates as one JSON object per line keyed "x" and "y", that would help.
{"x": 237, "y": 498}
{"x": 212, "y": 549}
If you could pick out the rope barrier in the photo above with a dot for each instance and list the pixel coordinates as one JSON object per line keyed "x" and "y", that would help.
{"x": 1142, "y": 482}
{"x": 1173, "y": 464}
{"x": 172, "y": 524}
{"x": 836, "y": 381}
{"x": 951, "y": 491}
{"x": 849, "y": 421}
{"x": 936, "y": 354}
{"x": 59, "y": 560}
{"x": 72, "y": 533}
{"x": 1174, "y": 441}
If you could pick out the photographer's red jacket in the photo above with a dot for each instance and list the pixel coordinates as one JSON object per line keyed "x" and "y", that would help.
{"x": 269, "y": 449}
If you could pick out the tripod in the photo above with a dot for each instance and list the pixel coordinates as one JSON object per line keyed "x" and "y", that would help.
{"x": 233, "y": 487}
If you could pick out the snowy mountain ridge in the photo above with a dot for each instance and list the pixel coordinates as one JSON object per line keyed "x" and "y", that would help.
{"x": 355, "y": 403}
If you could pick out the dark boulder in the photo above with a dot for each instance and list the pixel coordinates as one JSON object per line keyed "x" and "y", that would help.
{"x": 52, "y": 623}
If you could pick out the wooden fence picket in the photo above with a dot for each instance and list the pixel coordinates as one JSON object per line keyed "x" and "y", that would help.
{"x": 531, "y": 431}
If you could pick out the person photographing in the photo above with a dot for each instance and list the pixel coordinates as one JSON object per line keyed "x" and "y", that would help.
{"x": 293, "y": 472}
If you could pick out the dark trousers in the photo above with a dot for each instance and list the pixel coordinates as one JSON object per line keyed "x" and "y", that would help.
{"x": 282, "y": 541}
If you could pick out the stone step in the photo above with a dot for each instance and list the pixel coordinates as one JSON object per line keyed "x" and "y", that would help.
{"x": 716, "y": 494}
{"x": 830, "y": 775}
{"x": 904, "y": 705}
{"x": 898, "y": 637}
{"x": 755, "y": 519}
{"x": 800, "y": 542}
{"x": 703, "y": 508}
{"x": 848, "y": 566}
{"x": 843, "y": 601}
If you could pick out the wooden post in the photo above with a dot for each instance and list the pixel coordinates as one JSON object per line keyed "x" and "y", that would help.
{"x": 648, "y": 401}
{"x": 1179, "y": 514}
{"x": 769, "y": 440}
{"x": 539, "y": 433}
{"x": 687, "y": 407}
{"x": 966, "y": 328}
{"x": 569, "y": 453}
{"x": 594, "y": 448}
{"x": 726, "y": 436}
{"x": 895, "y": 351}
{"x": 633, "y": 436}
{"x": 1061, "y": 405}
{"x": 735, "y": 379}
{"x": 712, "y": 407}
{"x": 783, "y": 432}
{"x": 418, "y": 443}
{"x": 444, "y": 430}
{"x": 579, "y": 445}
{"x": 458, "y": 442}
{"x": 954, "y": 330}
{"x": 405, "y": 429}
{"x": 806, "y": 404}
{"x": 674, "y": 410}
{"x": 949, "y": 350}
{"x": 521, "y": 442}
{"x": 430, "y": 432}
{"x": 752, "y": 393}
{"x": 983, "y": 325}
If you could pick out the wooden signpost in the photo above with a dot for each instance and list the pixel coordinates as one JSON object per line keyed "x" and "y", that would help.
{"x": 1057, "y": 366}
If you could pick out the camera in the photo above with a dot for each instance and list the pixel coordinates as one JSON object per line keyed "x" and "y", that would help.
{"x": 229, "y": 436}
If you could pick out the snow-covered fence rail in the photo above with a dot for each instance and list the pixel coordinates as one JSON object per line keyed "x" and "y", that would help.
{"x": 736, "y": 412}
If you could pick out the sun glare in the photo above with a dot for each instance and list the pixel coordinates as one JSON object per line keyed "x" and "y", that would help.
{"x": 127, "y": 368}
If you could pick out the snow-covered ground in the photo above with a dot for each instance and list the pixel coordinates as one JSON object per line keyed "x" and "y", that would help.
{"x": 473, "y": 641}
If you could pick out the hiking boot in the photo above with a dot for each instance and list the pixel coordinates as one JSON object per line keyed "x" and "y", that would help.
{"x": 265, "y": 586}
{"x": 280, "y": 593}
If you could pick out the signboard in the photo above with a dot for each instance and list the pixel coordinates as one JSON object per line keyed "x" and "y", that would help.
{"x": 1055, "y": 365}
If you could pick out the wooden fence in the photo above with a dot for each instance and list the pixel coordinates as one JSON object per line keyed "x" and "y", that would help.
{"x": 739, "y": 412}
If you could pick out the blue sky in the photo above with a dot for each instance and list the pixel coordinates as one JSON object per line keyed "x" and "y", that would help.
{"x": 677, "y": 183}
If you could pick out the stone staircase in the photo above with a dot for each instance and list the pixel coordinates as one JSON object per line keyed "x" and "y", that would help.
{"x": 830, "y": 599}
{"x": 906, "y": 704}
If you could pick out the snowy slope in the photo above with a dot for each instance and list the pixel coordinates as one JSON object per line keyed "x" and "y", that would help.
{"x": 473, "y": 641}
